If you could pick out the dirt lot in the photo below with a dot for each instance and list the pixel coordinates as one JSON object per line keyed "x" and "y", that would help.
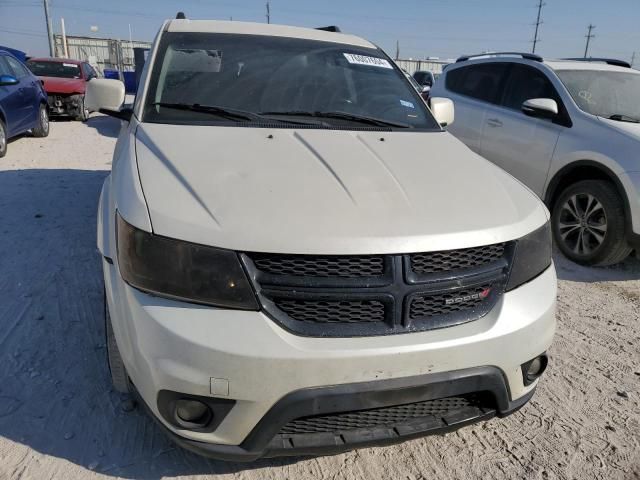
{"x": 59, "y": 418}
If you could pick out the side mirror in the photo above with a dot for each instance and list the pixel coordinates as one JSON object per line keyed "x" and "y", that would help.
{"x": 443, "y": 111}
{"x": 106, "y": 96}
{"x": 540, "y": 108}
{"x": 6, "y": 80}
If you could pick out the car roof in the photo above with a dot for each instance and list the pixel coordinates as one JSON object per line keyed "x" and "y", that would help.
{"x": 55, "y": 60}
{"x": 594, "y": 64}
{"x": 250, "y": 28}
{"x": 585, "y": 65}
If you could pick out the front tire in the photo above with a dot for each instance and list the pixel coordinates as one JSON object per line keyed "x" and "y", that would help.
{"x": 83, "y": 111}
{"x": 119, "y": 376}
{"x": 589, "y": 223}
{"x": 42, "y": 129}
{"x": 3, "y": 139}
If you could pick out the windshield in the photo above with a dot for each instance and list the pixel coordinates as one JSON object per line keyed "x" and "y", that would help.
{"x": 279, "y": 79}
{"x": 55, "y": 69}
{"x": 604, "y": 93}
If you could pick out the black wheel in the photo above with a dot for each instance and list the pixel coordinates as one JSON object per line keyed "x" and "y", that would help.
{"x": 589, "y": 223}
{"x": 119, "y": 376}
{"x": 42, "y": 130}
{"x": 3, "y": 139}
{"x": 83, "y": 112}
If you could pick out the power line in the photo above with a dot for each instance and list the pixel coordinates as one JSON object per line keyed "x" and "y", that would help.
{"x": 589, "y": 37}
{"x": 27, "y": 33}
{"x": 538, "y": 23}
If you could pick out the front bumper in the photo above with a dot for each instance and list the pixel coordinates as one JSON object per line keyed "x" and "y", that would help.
{"x": 246, "y": 357}
{"x": 631, "y": 183}
{"x": 60, "y": 104}
{"x": 266, "y": 440}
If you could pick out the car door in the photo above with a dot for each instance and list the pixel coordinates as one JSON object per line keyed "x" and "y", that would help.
{"x": 522, "y": 145}
{"x": 473, "y": 89}
{"x": 27, "y": 104}
{"x": 10, "y": 100}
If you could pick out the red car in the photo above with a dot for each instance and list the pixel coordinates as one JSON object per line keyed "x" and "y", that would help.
{"x": 65, "y": 82}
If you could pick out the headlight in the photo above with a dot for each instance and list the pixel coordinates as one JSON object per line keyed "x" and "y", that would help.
{"x": 532, "y": 257}
{"x": 182, "y": 270}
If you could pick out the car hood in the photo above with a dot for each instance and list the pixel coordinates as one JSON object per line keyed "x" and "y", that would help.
{"x": 629, "y": 128}
{"x": 63, "y": 85}
{"x": 318, "y": 191}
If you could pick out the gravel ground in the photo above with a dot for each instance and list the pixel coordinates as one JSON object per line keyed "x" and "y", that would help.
{"x": 60, "y": 419}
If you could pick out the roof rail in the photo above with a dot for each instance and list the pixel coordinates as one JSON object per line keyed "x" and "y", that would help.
{"x": 527, "y": 56}
{"x": 180, "y": 16}
{"x": 608, "y": 61}
{"x": 331, "y": 28}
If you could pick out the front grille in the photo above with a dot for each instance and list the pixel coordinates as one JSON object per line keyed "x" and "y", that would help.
{"x": 444, "y": 261}
{"x": 322, "y": 311}
{"x": 314, "y": 266}
{"x": 445, "y": 303}
{"x": 365, "y": 295}
{"x": 384, "y": 416}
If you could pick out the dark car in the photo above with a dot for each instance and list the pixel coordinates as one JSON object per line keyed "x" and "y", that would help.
{"x": 424, "y": 78}
{"x": 65, "y": 82}
{"x": 23, "y": 102}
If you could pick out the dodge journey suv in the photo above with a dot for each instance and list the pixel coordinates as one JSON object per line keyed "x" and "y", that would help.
{"x": 568, "y": 129}
{"x": 291, "y": 261}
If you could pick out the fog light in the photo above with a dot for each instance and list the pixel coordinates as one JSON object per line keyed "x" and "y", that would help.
{"x": 193, "y": 412}
{"x": 534, "y": 368}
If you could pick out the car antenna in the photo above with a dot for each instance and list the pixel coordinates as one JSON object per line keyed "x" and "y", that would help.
{"x": 181, "y": 16}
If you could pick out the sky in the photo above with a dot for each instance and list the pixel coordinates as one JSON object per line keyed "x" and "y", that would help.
{"x": 423, "y": 28}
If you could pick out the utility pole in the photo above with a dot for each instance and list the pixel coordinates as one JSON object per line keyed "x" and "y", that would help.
{"x": 589, "y": 37}
{"x": 268, "y": 13}
{"x": 538, "y": 23}
{"x": 52, "y": 50}
{"x": 65, "y": 49}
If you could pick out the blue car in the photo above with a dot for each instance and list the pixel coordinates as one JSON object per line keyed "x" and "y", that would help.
{"x": 23, "y": 102}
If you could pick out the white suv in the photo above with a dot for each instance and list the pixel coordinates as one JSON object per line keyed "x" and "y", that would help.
{"x": 569, "y": 130}
{"x": 291, "y": 261}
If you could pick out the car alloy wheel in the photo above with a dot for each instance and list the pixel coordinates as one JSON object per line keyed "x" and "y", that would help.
{"x": 582, "y": 223}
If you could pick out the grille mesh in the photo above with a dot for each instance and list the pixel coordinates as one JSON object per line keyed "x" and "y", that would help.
{"x": 437, "y": 262}
{"x": 433, "y": 305}
{"x": 321, "y": 311}
{"x": 380, "y": 417}
{"x": 312, "y": 266}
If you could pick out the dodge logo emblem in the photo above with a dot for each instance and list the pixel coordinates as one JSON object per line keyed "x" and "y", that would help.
{"x": 474, "y": 296}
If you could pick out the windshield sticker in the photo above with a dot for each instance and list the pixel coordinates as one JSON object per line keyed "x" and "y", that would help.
{"x": 72, "y": 65}
{"x": 404, "y": 103}
{"x": 368, "y": 61}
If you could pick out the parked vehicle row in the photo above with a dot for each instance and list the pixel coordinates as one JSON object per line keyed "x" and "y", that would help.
{"x": 569, "y": 130}
{"x": 30, "y": 92}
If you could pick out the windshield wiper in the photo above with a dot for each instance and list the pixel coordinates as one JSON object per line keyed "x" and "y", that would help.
{"x": 623, "y": 118}
{"x": 213, "y": 109}
{"x": 342, "y": 116}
